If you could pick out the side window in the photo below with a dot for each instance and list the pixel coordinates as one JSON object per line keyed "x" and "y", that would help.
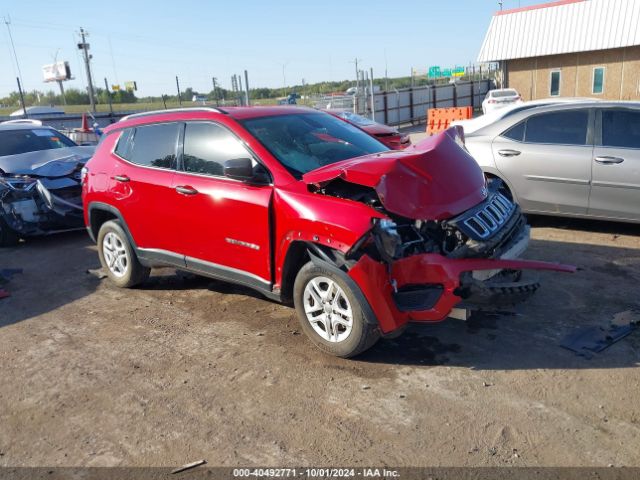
{"x": 154, "y": 145}
{"x": 123, "y": 148}
{"x": 562, "y": 128}
{"x": 598, "y": 80}
{"x": 621, "y": 128}
{"x": 554, "y": 89}
{"x": 207, "y": 146}
{"x": 516, "y": 133}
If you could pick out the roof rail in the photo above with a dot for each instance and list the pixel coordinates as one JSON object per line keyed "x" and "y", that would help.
{"x": 171, "y": 110}
{"x": 26, "y": 121}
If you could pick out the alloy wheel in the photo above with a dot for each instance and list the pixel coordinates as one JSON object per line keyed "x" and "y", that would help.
{"x": 328, "y": 309}
{"x": 115, "y": 254}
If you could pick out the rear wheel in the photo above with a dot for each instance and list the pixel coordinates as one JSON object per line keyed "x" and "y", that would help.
{"x": 331, "y": 314}
{"x": 8, "y": 238}
{"x": 118, "y": 258}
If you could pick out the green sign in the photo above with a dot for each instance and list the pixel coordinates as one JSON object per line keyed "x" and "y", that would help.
{"x": 437, "y": 72}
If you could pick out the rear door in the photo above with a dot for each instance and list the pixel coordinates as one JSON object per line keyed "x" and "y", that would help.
{"x": 615, "y": 190}
{"x": 142, "y": 183}
{"x": 547, "y": 160}
{"x": 225, "y": 223}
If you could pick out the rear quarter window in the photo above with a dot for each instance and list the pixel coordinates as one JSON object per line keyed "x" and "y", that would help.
{"x": 123, "y": 148}
{"x": 150, "y": 145}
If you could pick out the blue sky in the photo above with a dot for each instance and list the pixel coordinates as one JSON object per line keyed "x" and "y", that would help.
{"x": 153, "y": 41}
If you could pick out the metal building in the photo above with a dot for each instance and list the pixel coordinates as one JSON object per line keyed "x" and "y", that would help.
{"x": 582, "y": 48}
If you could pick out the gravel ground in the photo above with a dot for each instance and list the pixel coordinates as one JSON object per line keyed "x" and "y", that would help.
{"x": 188, "y": 368}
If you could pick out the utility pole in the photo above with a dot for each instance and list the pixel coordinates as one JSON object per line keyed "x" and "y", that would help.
{"x": 24, "y": 108}
{"x": 106, "y": 87}
{"x": 246, "y": 86}
{"x": 284, "y": 78}
{"x": 240, "y": 99}
{"x": 373, "y": 98}
{"x": 178, "y": 86}
{"x": 84, "y": 46}
{"x": 215, "y": 91}
{"x": 500, "y": 2}
{"x": 356, "y": 60}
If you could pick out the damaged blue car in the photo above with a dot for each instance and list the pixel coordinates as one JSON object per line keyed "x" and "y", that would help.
{"x": 40, "y": 181}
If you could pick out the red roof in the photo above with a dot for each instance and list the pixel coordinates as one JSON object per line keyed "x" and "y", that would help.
{"x": 536, "y": 7}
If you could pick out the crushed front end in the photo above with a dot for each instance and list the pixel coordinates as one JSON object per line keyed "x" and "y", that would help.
{"x": 445, "y": 240}
{"x": 413, "y": 270}
{"x": 33, "y": 205}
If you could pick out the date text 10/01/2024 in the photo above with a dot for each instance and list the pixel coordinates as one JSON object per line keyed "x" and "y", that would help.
{"x": 315, "y": 473}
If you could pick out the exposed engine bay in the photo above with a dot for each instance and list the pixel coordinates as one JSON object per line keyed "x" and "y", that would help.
{"x": 493, "y": 229}
{"x": 485, "y": 231}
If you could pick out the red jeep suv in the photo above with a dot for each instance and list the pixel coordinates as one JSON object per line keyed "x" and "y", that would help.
{"x": 310, "y": 210}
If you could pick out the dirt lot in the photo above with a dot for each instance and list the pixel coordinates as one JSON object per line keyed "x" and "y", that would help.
{"x": 184, "y": 369}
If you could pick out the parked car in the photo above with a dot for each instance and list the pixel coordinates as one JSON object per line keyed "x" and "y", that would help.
{"x": 390, "y": 136}
{"x": 40, "y": 189}
{"x": 308, "y": 209}
{"x": 500, "y": 98}
{"x": 474, "y": 124}
{"x": 579, "y": 159}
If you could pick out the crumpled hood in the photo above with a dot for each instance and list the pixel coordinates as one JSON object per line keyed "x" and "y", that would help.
{"x": 55, "y": 162}
{"x": 435, "y": 179}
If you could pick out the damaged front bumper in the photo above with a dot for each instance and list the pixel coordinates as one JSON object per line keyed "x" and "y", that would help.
{"x": 426, "y": 287}
{"x": 41, "y": 206}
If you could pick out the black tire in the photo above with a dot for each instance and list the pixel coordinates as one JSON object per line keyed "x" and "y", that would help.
{"x": 364, "y": 331}
{"x": 134, "y": 273}
{"x": 8, "y": 238}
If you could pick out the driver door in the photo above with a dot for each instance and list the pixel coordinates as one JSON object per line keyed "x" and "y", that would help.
{"x": 225, "y": 222}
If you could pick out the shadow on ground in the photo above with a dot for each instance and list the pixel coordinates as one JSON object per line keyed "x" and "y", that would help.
{"x": 55, "y": 276}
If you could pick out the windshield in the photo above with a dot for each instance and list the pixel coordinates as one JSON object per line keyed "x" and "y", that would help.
{"x": 305, "y": 141}
{"x": 356, "y": 119}
{"x": 14, "y": 142}
{"x": 504, "y": 93}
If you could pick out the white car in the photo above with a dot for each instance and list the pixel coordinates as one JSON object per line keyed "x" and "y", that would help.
{"x": 500, "y": 98}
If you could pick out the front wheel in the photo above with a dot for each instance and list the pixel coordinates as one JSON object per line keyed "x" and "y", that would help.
{"x": 330, "y": 312}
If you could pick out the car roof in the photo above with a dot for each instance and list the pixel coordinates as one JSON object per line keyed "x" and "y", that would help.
{"x": 500, "y": 125}
{"x": 22, "y": 126}
{"x": 200, "y": 113}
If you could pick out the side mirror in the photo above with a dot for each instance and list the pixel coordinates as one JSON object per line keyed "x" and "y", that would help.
{"x": 238, "y": 168}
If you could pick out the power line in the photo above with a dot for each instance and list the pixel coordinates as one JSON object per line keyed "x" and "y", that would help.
{"x": 7, "y": 22}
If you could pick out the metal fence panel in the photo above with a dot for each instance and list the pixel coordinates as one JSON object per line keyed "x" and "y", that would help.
{"x": 410, "y": 105}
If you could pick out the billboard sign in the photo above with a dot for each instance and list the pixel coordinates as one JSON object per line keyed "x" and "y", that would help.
{"x": 56, "y": 72}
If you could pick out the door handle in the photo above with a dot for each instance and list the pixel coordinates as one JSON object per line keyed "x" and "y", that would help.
{"x": 606, "y": 160}
{"x": 508, "y": 153}
{"x": 121, "y": 178}
{"x": 186, "y": 190}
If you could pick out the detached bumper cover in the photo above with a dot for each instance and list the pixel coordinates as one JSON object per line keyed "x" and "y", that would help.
{"x": 439, "y": 275}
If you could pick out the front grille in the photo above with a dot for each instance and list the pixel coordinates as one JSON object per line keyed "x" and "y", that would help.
{"x": 485, "y": 220}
